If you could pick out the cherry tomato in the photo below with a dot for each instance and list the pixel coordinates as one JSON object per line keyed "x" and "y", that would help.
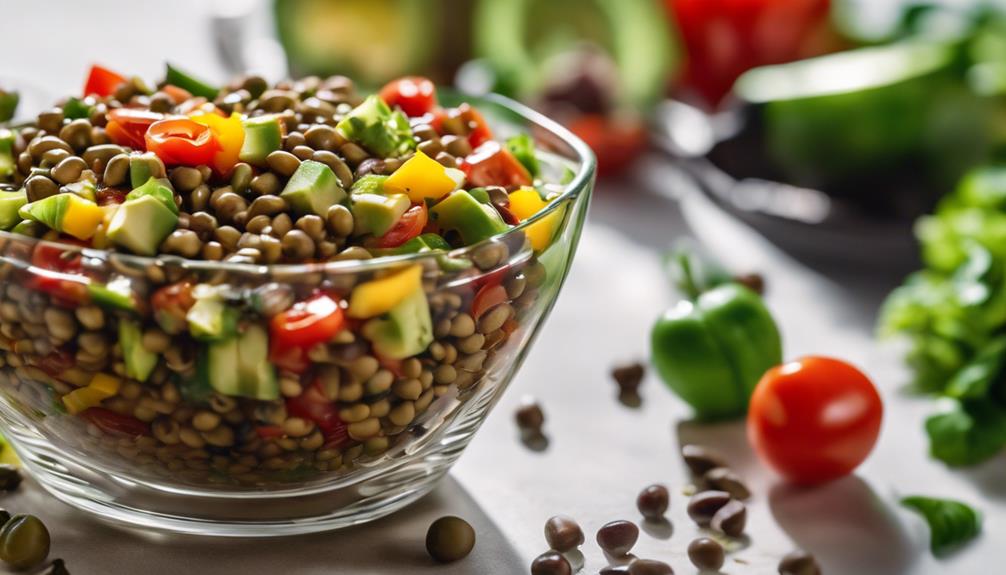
{"x": 181, "y": 141}
{"x": 313, "y": 405}
{"x": 493, "y": 165}
{"x": 410, "y": 225}
{"x": 102, "y": 82}
{"x": 616, "y": 143}
{"x": 307, "y": 323}
{"x": 415, "y": 95}
{"x": 487, "y": 298}
{"x": 128, "y": 127}
{"x": 115, "y": 423}
{"x": 815, "y": 419}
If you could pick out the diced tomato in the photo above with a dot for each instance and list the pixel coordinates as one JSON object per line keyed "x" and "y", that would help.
{"x": 128, "y": 127}
{"x": 480, "y": 132}
{"x": 487, "y": 298}
{"x": 314, "y": 406}
{"x": 56, "y": 362}
{"x": 170, "y": 305}
{"x": 102, "y": 82}
{"x": 115, "y": 423}
{"x": 269, "y": 431}
{"x": 616, "y": 143}
{"x": 493, "y": 165}
{"x": 415, "y": 95}
{"x": 293, "y": 359}
{"x": 57, "y": 272}
{"x": 177, "y": 95}
{"x": 49, "y": 257}
{"x": 410, "y": 225}
{"x": 110, "y": 196}
{"x": 181, "y": 141}
{"x": 308, "y": 323}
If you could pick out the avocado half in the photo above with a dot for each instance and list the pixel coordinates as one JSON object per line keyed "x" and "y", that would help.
{"x": 517, "y": 36}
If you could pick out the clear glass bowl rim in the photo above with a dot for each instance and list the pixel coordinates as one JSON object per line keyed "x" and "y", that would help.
{"x": 580, "y": 182}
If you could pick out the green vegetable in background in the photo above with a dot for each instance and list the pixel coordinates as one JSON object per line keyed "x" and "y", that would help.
{"x": 712, "y": 348}
{"x": 954, "y": 315}
{"x": 8, "y": 104}
{"x": 951, "y": 523}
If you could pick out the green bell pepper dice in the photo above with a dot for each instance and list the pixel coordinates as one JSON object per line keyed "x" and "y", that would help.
{"x": 712, "y": 352}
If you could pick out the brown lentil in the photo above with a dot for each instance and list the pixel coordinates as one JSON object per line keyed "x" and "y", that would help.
{"x": 617, "y": 538}
{"x": 706, "y": 554}
{"x": 704, "y": 505}
{"x": 563, "y": 534}
{"x": 799, "y": 563}
{"x": 551, "y": 563}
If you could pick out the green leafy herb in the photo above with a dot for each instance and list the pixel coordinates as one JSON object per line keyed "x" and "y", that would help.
{"x": 967, "y": 433}
{"x": 951, "y": 523}
{"x": 522, "y": 148}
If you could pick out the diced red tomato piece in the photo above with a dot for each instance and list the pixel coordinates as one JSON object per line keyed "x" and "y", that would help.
{"x": 493, "y": 165}
{"x": 314, "y": 406}
{"x": 487, "y": 298}
{"x": 181, "y": 141}
{"x": 102, "y": 82}
{"x": 115, "y": 423}
{"x": 410, "y": 225}
{"x": 56, "y": 362}
{"x": 128, "y": 127}
{"x": 57, "y": 272}
{"x": 308, "y": 323}
{"x": 480, "y": 132}
{"x": 110, "y": 196}
{"x": 415, "y": 95}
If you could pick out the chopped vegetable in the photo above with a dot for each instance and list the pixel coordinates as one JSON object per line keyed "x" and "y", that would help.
{"x": 230, "y": 135}
{"x": 525, "y": 203}
{"x": 378, "y": 296}
{"x": 67, "y": 213}
{"x": 189, "y": 83}
{"x": 377, "y": 128}
{"x": 102, "y": 82}
{"x": 421, "y": 178}
{"x": 8, "y": 104}
{"x": 128, "y": 127}
{"x": 182, "y": 141}
{"x": 493, "y": 165}
{"x": 522, "y": 148}
{"x": 951, "y": 523}
{"x": 313, "y": 189}
{"x": 7, "y": 163}
{"x": 415, "y": 95}
{"x": 263, "y": 136}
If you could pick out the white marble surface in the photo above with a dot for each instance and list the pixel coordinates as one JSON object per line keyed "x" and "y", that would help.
{"x": 601, "y": 452}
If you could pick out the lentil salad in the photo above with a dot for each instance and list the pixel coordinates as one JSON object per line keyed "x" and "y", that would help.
{"x": 250, "y": 382}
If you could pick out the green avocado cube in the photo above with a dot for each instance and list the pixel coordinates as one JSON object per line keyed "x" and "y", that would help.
{"x": 10, "y": 203}
{"x": 158, "y": 188}
{"x": 142, "y": 167}
{"x": 263, "y": 136}
{"x": 6, "y": 154}
{"x": 376, "y": 214}
{"x": 377, "y": 128}
{"x": 406, "y": 330}
{"x": 369, "y": 184}
{"x": 471, "y": 219}
{"x": 313, "y": 189}
{"x": 141, "y": 224}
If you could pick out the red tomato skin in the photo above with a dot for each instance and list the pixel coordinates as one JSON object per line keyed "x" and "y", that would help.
{"x": 313, "y": 405}
{"x": 814, "y": 420}
{"x": 312, "y": 321}
{"x": 128, "y": 127}
{"x": 102, "y": 82}
{"x": 493, "y": 165}
{"x": 410, "y": 225}
{"x": 115, "y": 423}
{"x": 180, "y": 141}
{"x": 415, "y": 95}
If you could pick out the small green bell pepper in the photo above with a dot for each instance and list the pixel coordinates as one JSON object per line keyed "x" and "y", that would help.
{"x": 713, "y": 348}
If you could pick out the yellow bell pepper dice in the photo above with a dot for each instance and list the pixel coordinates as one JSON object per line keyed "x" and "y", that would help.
{"x": 230, "y": 135}
{"x": 107, "y": 385}
{"x": 375, "y": 297}
{"x": 526, "y": 202}
{"x": 81, "y": 399}
{"x": 420, "y": 177}
{"x": 81, "y": 218}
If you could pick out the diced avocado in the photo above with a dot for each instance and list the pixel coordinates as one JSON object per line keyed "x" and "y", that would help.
{"x": 10, "y": 203}
{"x": 158, "y": 188}
{"x": 421, "y": 243}
{"x": 6, "y": 154}
{"x": 480, "y": 194}
{"x": 374, "y": 214}
{"x": 522, "y": 148}
{"x": 84, "y": 188}
{"x": 139, "y": 362}
{"x": 68, "y": 213}
{"x": 374, "y": 126}
{"x": 210, "y": 318}
{"x": 141, "y": 224}
{"x": 313, "y": 189}
{"x": 369, "y": 184}
{"x": 142, "y": 167}
{"x": 239, "y": 366}
{"x": 116, "y": 294}
{"x": 29, "y": 228}
{"x": 472, "y": 220}
{"x": 187, "y": 82}
{"x": 263, "y": 136}
{"x": 406, "y": 329}
{"x": 8, "y": 104}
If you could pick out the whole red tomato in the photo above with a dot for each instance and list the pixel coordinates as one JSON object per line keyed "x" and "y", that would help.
{"x": 815, "y": 419}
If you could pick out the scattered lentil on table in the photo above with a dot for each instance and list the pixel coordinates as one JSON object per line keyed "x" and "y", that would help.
{"x": 706, "y": 554}
{"x": 617, "y": 538}
{"x": 653, "y": 501}
{"x": 450, "y": 539}
{"x": 563, "y": 534}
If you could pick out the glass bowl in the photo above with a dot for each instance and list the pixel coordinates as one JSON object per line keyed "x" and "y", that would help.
{"x": 354, "y": 438}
